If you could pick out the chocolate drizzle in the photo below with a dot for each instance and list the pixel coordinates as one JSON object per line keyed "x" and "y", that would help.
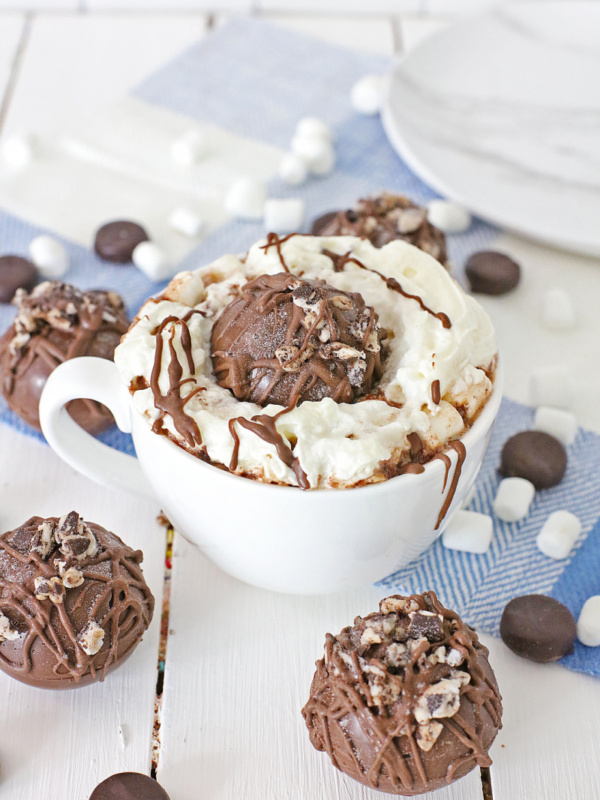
{"x": 461, "y": 454}
{"x": 172, "y": 403}
{"x": 435, "y": 392}
{"x": 340, "y": 261}
{"x": 263, "y": 426}
{"x": 112, "y": 594}
{"x": 273, "y": 240}
{"x": 405, "y": 701}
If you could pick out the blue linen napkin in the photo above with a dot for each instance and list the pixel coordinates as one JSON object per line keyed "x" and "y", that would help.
{"x": 257, "y": 80}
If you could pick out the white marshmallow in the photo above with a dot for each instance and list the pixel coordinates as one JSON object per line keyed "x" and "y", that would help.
{"x": 551, "y": 386}
{"x": 284, "y": 216}
{"x": 588, "y": 624}
{"x": 558, "y": 534}
{"x": 152, "y": 261}
{"x": 49, "y": 256}
{"x": 367, "y": 94}
{"x": 293, "y": 169}
{"x": 317, "y": 153}
{"x": 468, "y": 531}
{"x": 513, "y": 498}
{"x": 311, "y": 126}
{"x": 246, "y": 199}
{"x": 190, "y": 147}
{"x": 18, "y": 150}
{"x": 557, "y": 422}
{"x": 186, "y": 221}
{"x": 558, "y": 312}
{"x": 448, "y": 216}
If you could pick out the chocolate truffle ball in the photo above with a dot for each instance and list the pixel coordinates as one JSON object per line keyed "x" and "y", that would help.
{"x": 54, "y": 323}
{"x": 383, "y": 218}
{"x": 285, "y": 340}
{"x": 405, "y": 700}
{"x": 73, "y": 602}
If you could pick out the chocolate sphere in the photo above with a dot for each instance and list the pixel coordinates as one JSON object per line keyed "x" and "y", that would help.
{"x": 405, "y": 700}
{"x": 73, "y": 602}
{"x": 285, "y": 340}
{"x": 54, "y": 323}
{"x": 383, "y": 218}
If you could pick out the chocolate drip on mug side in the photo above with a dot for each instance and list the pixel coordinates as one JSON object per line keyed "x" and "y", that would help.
{"x": 461, "y": 454}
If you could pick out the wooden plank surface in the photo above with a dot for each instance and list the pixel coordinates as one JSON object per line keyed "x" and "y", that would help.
{"x": 239, "y": 666}
{"x": 74, "y": 63}
{"x": 549, "y": 748}
{"x": 231, "y": 714}
{"x": 370, "y": 35}
{"x": 61, "y": 744}
{"x": 11, "y": 31}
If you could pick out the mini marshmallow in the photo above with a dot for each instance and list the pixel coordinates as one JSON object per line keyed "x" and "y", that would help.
{"x": 185, "y": 221}
{"x": 316, "y": 152}
{"x": 468, "y": 531}
{"x": 557, "y": 422}
{"x": 558, "y": 534}
{"x": 151, "y": 260}
{"x": 558, "y": 312}
{"x": 190, "y": 147}
{"x": 49, "y": 256}
{"x": 448, "y": 216}
{"x": 18, "y": 150}
{"x": 311, "y": 126}
{"x": 513, "y": 498}
{"x": 367, "y": 94}
{"x": 293, "y": 169}
{"x": 246, "y": 199}
{"x": 588, "y": 624}
{"x": 551, "y": 386}
{"x": 284, "y": 216}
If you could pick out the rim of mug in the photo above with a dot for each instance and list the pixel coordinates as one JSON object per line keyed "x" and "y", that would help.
{"x": 483, "y": 422}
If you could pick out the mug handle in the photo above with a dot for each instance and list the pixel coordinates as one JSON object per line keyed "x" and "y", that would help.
{"x": 96, "y": 379}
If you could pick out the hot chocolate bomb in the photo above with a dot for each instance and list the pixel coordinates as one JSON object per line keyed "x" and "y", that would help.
{"x": 54, "y": 323}
{"x": 286, "y": 340}
{"x": 73, "y": 602}
{"x": 405, "y": 700}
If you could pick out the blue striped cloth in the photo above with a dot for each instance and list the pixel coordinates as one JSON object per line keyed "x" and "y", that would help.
{"x": 257, "y": 80}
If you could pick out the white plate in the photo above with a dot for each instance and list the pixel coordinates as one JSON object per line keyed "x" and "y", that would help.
{"x": 501, "y": 112}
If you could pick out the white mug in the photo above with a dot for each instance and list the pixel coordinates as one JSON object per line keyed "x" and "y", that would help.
{"x": 274, "y": 537}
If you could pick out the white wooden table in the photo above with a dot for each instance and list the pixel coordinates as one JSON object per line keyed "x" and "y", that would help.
{"x": 239, "y": 660}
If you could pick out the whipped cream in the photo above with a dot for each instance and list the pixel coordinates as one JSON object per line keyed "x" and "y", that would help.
{"x": 337, "y": 444}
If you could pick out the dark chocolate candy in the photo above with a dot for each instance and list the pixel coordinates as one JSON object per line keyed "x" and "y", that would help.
{"x": 401, "y": 705}
{"x": 286, "y": 339}
{"x": 382, "y": 219}
{"x": 68, "y": 615}
{"x": 54, "y": 323}
{"x": 491, "y": 272}
{"x": 15, "y": 273}
{"x": 536, "y": 456}
{"x": 117, "y": 240}
{"x": 538, "y": 628}
{"x": 129, "y": 786}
